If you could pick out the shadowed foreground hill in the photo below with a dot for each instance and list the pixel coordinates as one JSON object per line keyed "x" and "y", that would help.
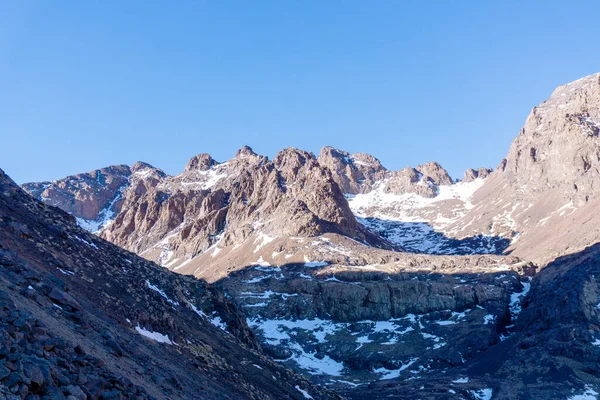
{"x": 475, "y": 335}
{"x": 553, "y": 352}
{"x": 81, "y": 318}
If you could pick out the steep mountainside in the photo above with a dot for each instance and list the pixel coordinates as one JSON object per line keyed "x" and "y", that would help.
{"x": 545, "y": 193}
{"x": 82, "y": 318}
{"x": 96, "y": 197}
{"x": 247, "y": 198}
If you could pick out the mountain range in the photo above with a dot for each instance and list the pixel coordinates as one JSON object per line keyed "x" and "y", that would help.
{"x": 316, "y": 276}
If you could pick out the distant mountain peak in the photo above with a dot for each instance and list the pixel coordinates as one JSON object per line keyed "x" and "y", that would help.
{"x": 245, "y": 151}
{"x": 200, "y": 162}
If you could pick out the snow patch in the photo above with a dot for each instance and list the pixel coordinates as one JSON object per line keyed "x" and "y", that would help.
{"x": 86, "y": 242}
{"x": 483, "y": 394}
{"x": 261, "y": 262}
{"x": 156, "y": 336}
{"x": 314, "y": 264}
{"x": 391, "y": 374}
{"x": 161, "y": 292}
{"x": 218, "y": 322}
{"x": 589, "y": 394}
{"x": 65, "y": 272}
{"x": 461, "y": 380}
{"x": 516, "y": 298}
{"x": 257, "y": 279}
{"x": 278, "y": 332}
{"x": 209, "y": 178}
{"x": 304, "y": 393}
{"x": 263, "y": 241}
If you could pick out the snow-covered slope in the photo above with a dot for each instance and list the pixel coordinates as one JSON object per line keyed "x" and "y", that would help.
{"x": 419, "y": 224}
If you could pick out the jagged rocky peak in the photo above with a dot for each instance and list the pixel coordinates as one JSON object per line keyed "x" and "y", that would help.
{"x": 245, "y": 151}
{"x": 360, "y": 173}
{"x": 313, "y": 186}
{"x": 82, "y": 195}
{"x": 144, "y": 177}
{"x": 143, "y": 170}
{"x": 434, "y": 173}
{"x": 479, "y": 173}
{"x": 248, "y": 196}
{"x": 343, "y": 157}
{"x": 355, "y": 173}
{"x": 200, "y": 162}
{"x": 367, "y": 161}
{"x": 141, "y": 166}
{"x": 409, "y": 180}
{"x": 244, "y": 158}
{"x": 422, "y": 180}
{"x": 558, "y": 146}
{"x": 293, "y": 159}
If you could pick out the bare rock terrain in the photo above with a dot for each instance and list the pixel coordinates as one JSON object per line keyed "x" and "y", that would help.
{"x": 387, "y": 284}
{"x": 82, "y": 318}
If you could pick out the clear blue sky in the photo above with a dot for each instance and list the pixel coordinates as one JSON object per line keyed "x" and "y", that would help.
{"x": 85, "y": 84}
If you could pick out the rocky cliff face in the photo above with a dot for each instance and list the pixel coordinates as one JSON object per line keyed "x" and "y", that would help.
{"x": 472, "y": 174}
{"x": 552, "y": 353}
{"x": 351, "y": 325}
{"x": 82, "y": 318}
{"x": 544, "y": 193}
{"x": 96, "y": 197}
{"x": 354, "y": 173}
{"x": 558, "y": 145}
{"x": 361, "y": 173}
{"x": 83, "y": 195}
{"x": 248, "y": 198}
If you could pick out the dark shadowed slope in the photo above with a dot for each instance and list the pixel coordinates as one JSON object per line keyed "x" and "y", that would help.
{"x": 553, "y": 351}
{"x": 81, "y": 317}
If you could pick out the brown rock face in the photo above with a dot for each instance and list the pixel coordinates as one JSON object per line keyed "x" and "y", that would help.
{"x": 472, "y": 174}
{"x": 314, "y": 187}
{"x": 83, "y": 195}
{"x": 201, "y": 162}
{"x": 95, "y": 197}
{"x": 354, "y": 173}
{"x": 547, "y": 187}
{"x": 360, "y": 173}
{"x": 409, "y": 180}
{"x": 558, "y": 146}
{"x": 434, "y": 173}
{"x": 249, "y": 196}
{"x": 245, "y": 151}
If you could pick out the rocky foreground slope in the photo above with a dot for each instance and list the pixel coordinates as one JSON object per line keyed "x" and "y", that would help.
{"x": 84, "y": 319}
{"x": 401, "y": 284}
